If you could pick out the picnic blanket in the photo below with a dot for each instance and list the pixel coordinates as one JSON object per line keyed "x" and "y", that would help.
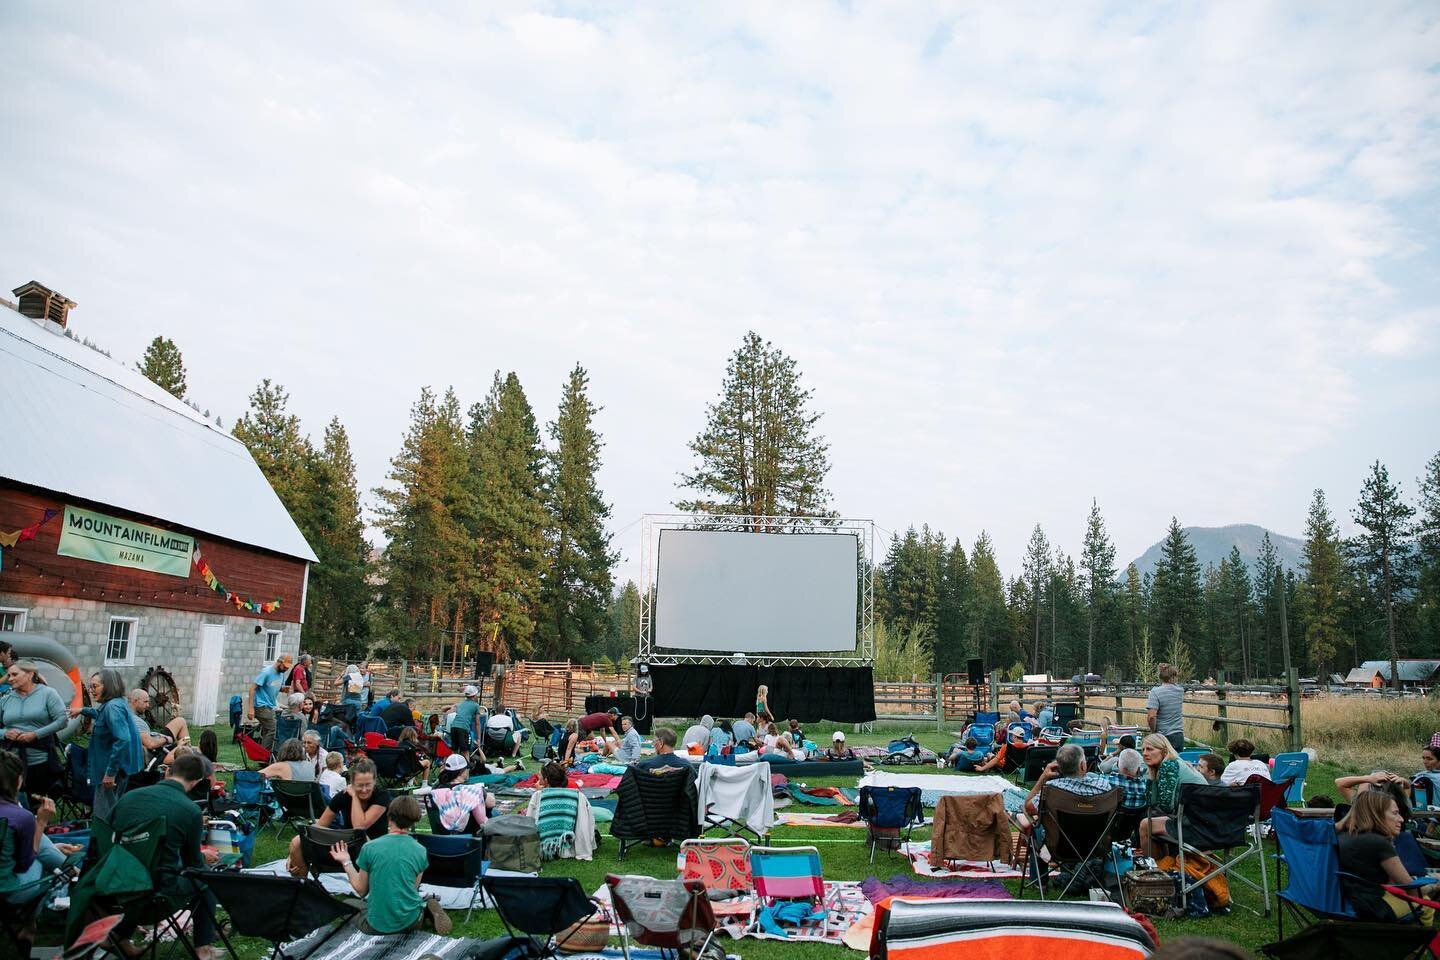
{"x": 918, "y": 853}
{"x": 814, "y": 818}
{"x": 451, "y": 898}
{"x": 351, "y": 944}
{"x": 848, "y": 905}
{"x": 902, "y": 886}
{"x": 575, "y": 781}
{"x": 934, "y": 786}
{"x": 824, "y": 796}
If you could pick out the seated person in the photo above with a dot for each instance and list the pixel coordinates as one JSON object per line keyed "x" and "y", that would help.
{"x": 310, "y": 710}
{"x": 156, "y": 743}
{"x": 563, "y": 815}
{"x": 314, "y": 750}
{"x": 1067, "y": 772}
{"x": 378, "y": 708}
{"x": 1367, "y": 853}
{"x": 464, "y": 807}
{"x": 1351, "y": 787}
{"x": 387, "y": 874}
{"x": 1044, "y": 716}
{"x": 500, "y": 728}
{"x": 1110, "y": 764}
{"x": 184, "y": 829}
{"x": 744, "y": 731}
{"x": 1429, "y": 775}
{"x": 699, "y": 733}
{"x": 416, "y": 759}
{"x": 665, "y": 755}
{"x": 1129, "y": 776}
{"x": 295, "y": 709}
{"x": 838, "y": 750}
{"x": 291, "y": 764}
{"x": 1242, "y": 768}
{"x": 332, "y": 778}
{"x": 722, "y": 736}
{"x": 767, "y": 740}
{"x": 969, "y": 756}
{"x": 797, "y": 736}
{"x": 27, "y": 854}
{"x": 360, "y": 806}
{"x": 629, "y": 749}
{"x": 1211, "y": 767}
{"x": 1167, "y": 772}
{"x": 399, "y": 713}
{"x": 785, "y": 749}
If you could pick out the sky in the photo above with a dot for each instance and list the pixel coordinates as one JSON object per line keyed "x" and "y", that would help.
{"x": 1181, "y": 259}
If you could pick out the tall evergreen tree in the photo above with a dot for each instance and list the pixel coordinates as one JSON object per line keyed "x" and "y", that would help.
{"x": 1383, "y": 548}
{"x": 952, "y": 633}
{"x": 759, "y": 454}
{"x": 1037, "y": 574}
{"x": 1137, "y": 617}
{"x": 164, "y": 366}
{"x": 1267, "y": 573}
{"x": 1097, "y": 577}
{"x": 1320, "y": 591}
{"x": 1240, "y": 595}
{"x": 576, "y": 587}
{"x": 988, "y": 623}
{"x": 338, "y": 598}
{"x": 1427, "y": 554}
{"x": 281, "y": 450}
{"x": 506, "y": 478}
{"x": 622, "y": 627}
{"x": 1177, "y": 600}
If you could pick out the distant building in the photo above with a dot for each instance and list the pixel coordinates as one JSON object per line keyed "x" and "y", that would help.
{"x": 1376, "y": 674}
{"x": 112, "y": 492}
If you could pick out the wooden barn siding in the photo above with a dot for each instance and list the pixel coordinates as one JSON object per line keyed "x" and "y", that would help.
{"x": 254, "y": 574}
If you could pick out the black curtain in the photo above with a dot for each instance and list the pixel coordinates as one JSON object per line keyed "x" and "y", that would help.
{"x": 807, "y": 694}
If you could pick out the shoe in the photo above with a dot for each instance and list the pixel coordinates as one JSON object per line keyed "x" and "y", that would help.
{"x": 438, "y": 917}
{"x": 519, "y": 764}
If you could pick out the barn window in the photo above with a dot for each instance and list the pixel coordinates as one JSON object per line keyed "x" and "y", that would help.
{"x": 120, "y": 646}
{"x": 12, "y": 619}
{"x": 272, "y": 645}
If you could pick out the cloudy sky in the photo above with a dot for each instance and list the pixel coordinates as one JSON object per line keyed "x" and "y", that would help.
{"x": 1183, "y": 259}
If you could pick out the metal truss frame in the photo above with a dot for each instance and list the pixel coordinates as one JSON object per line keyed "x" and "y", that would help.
{"x": 652, "y": 523}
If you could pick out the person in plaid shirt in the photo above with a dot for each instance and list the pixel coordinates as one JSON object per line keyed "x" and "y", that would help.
{"x": 1129, "y": 776}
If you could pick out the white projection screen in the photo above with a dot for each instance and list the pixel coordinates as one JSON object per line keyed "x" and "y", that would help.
{"x": 765, "y": 593}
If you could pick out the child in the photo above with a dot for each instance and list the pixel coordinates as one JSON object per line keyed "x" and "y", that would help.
{"x": 387, "y": 873}
{"x": 332, "y": 778}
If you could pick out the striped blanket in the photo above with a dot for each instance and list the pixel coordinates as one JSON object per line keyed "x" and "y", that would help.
{"x": 558, "y": 810}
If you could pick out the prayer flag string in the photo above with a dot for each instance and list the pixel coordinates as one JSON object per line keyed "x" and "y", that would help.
{"x": 234, "y": 599}
{"x": 27, "y": 533}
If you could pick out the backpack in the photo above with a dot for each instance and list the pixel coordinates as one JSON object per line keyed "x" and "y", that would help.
{"x": 513, "y": 843}
{"x": 904, "y": 750}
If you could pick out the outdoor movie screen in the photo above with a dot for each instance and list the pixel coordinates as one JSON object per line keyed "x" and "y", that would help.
{"x": 764, "y": 593}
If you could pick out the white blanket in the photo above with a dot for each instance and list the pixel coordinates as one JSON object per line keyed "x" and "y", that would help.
{"x": 934, "y": 786}
{"x": 740, "y": 793}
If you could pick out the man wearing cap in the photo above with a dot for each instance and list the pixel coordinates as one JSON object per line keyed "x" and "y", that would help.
{"x": 465, "y": 713}
{"x": 629, "y": 750}
{"x": 838, "y": 750}
{"x": 260, "y": 700}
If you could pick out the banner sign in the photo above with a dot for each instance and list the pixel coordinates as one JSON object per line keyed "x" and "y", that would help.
{"x": 124, "y": 543}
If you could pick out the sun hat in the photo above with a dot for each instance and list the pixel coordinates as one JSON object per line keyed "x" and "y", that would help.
{"x": 839, "y": 735}
{"x": 469, "y": 690}
{"x": 456, "y": 762}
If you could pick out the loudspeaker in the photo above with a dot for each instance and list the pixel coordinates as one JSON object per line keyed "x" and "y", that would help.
{"x": 484, "y": 663}
{"x": 976, "y": 667}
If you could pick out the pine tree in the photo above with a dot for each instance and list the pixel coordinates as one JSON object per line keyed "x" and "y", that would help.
{"x": 1178, "y": 656}
{"x": 952, "y": 633}
{"x": 1427, "y": 554}
{"x": 273, "y": 436}
{"x": 338, "y": 597}
{"x": 507, "y": 468}
{"x": 1145, "y": 665}
{"x": 1097, "y": 578}
{"x": 1241, "y": 599}
{"x": 1137, "y": 618}
{"x": 1037, "y": 572}
{"x": 622, "y": 622}
{"x": 759, "y": 454}
{"x": 164, "y": 366}
{"x": 1177, "y": 597}
{"x": 1383, "y": 548}
{"x": 988, "y": 622}
{"x": 576, "y": 586}
{"x": 1320, "y": 591}
{"x": 1267, "y": 570}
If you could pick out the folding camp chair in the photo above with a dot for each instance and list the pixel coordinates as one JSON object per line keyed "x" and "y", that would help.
{"x": 737, "y": 799}
{"x": 365, "y": 723}
{"x": 394, "y": 766}
{"x": 668, "y": 914}
{"x": 924, "y": 929}
{"x": 655, "y": 805}
{"x": 141, "y": 846}
{"x": 300, "y": 802}
{"x": 789, "y": 874}
{"x": 275, "y": 909}
{"x": 1272, "y": 794}
{"x": 92, "y": 939}
{"x": 1075, "y": 831}
{"x": 1292, "y": 766}
{"x": 20, "y": 906}
{"x": 540, "y": 907}
{"x": 455, "y": 861}
{"x": 1037, "y": 758}
{"x": 1064, "y": 713}
{"x": 1309, "y": 863}
{"x": 1110, "y": 737}
{"x": 287, "y": 728}
{"x": 315, "y": 844}
{"x": 1222, "y": 819}
{"x": 251, "y": 751}
{"x": 74, "y": 795}
{"x": 253, "y": 797}
{"x": 982, "y": 728}
{"x": 723, "y": 866}
{"x": 890, "y": 813}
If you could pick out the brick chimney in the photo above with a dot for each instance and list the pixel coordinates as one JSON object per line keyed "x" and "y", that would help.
{"x": 42, "y": 303}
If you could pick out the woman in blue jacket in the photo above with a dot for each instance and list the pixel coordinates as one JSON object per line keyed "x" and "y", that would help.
{"x": 115, "y": 748}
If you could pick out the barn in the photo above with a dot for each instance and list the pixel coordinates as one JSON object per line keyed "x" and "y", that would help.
{"x": 133, "y": 531}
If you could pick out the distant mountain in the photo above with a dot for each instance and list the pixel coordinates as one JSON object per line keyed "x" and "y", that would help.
{"x": 1212, "y": 544}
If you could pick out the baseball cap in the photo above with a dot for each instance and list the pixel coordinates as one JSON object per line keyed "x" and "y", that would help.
{"x": 456, "y": 762}
{"x": 839, "y": 735}
{"x": 469, "y": 690}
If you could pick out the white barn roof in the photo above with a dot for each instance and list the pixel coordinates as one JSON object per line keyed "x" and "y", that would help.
{"x": 79, "y": 423}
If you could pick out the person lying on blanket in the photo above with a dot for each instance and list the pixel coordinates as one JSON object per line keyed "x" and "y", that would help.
{"x": 387, "y": 873}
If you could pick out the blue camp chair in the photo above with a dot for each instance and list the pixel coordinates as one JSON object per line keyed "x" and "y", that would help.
{"x": 368, "y": 724}
{"x": 286, "y": 728}
{"x": 1292, "y": 766}
{"x": 982, "y": 729}
{"x": 1191, "y": 755}
{"x": 252, "y": 793}
{"x": 889, "y": 814}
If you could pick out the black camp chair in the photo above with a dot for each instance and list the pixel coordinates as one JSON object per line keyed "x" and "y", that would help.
{"x": 274, "y": 909}
{"x": 654, "y": 805}
{"x": 540, "y": 907}
{"x": 1213, "y": 818}
{"x": 456, "y": 861}
{"x": 315, "y": 844}
{"x": 394, "y": 766}
{"x": 1037, "y": 758}
{"x": 1076, "y": 834}
{"x": 300, "y": 801}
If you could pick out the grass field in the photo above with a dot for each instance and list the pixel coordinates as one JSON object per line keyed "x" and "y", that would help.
{"x": 844, "y": 855}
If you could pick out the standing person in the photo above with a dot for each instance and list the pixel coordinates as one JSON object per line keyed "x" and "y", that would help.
{"x": 299, "y": 679}
{"x": 387, "y": 874}
{"x": 115, "y": 751}
{"x": 464, "y": 717}
{"x": 352, "y": 688}
{"x": 30, "y": 716}
{"x": 261, "y": 699}
{"x": 762, "y": 705}
{"x": 369, "y": 680}
{"x": 1165, "y": 707}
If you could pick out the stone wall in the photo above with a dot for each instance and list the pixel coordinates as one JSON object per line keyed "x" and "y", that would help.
{"x": 161, "y": 637}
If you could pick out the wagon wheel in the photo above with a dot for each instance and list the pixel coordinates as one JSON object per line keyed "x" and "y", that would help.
{"x": 164, "y": 697}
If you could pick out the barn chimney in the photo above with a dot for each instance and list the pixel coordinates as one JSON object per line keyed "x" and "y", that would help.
{"x": 42, "y": 303}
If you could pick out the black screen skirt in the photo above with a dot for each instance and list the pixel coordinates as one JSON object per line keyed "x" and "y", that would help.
{"x": 727, "y": 691}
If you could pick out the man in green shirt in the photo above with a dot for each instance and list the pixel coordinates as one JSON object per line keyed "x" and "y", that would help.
{"x": 184, "y": 829}
{"x": 388, "y": 872}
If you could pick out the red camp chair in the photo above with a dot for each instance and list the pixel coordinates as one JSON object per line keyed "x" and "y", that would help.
{"x": 252, "y": 750}
{"x": 1272, "y": 794}
{"x": 668, "y": 914}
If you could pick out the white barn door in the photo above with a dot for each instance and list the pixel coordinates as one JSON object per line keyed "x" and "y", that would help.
{"x": 207, "y": 673}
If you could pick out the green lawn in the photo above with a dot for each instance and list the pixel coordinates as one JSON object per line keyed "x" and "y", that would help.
{"x": 843, "y": 853}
